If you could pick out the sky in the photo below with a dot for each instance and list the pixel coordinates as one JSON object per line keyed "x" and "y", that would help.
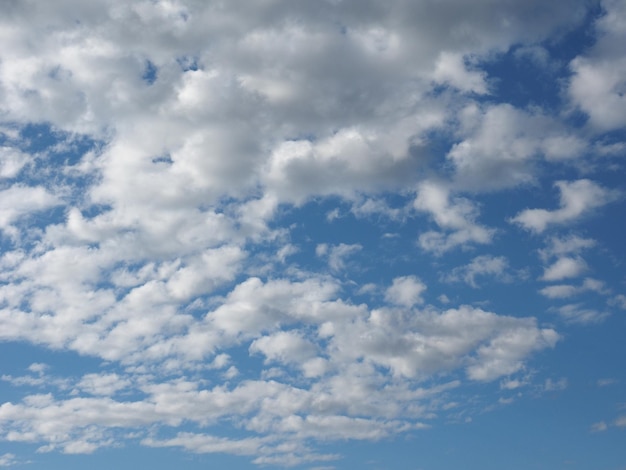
{"x": 313, "y": 234}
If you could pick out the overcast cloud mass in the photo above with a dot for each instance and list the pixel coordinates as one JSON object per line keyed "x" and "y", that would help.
{"x": 320, "y": 234}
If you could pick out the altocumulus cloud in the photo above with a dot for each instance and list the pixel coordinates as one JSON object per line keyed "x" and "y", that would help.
{"x": 168, "y": 171}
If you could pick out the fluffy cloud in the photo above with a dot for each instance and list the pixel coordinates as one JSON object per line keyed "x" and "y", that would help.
{"x": 564, "y": 268}
{"x": 597, "y": 84}
{"x": 577, "y": 198}
{"x": 405, "y": 291}
{"x": 500, "y": 146}
{"x": 149, "y": 152}
{"x": 455, "y": 215}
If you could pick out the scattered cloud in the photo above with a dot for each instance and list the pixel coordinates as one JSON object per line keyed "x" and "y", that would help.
{"x": 599, "y": 427}
{"x": 337, "y": 254}
{"x": 577, "y": 314}
{"x": 405, "y": 291}
{"x": 577, "y": 198}
{"x": 209, "y": 212}
{"x": 482, "y": 266}
{"x": 455, "y": 216}
{"x": 564, "y": 268}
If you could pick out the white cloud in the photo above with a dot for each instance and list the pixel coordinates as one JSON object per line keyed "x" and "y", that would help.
{"x": 284, "y": 346}
{"x": 456, "y": 216}
{"x": 337, "y": 254}
{"x": 571, "y": 244}
{"x": 405, "y": 291}
{"x": 19, "y": 201}
{"x": 577, "y": 198}
{"x": 576, "y": 314}
{"x": 564, "y": 268}
{"x": 559, "y": 291}
{"x": 150, "y": 263}
{"x": 102, "y": 384}
{"x": 8, "y": 460}
{"x": 501, "y": 145}
{"x": 480, "y": 266}
{"x": 12, "y": 161}
{"x": 452, "y": 70}
{"x": 597, "y": 85}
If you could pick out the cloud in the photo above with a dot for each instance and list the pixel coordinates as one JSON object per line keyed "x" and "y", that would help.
{"x": 337, "y": 254}
{"x": 8, "y": 460}
{"x": 455, "y": 216}
{"x": 619, "y": 300}
{"x": 405, "y": 291}
{"x": 555, "y": 385}
{"x": 597, "y": 84}
{"x": 564, "y": 268}
{"x": 577, "y": 198}
{"x": 480, "y": 266}
{"x": 150, "y": 155}
{"x": 599, "y": 427}
{"x": 285, "y": 347}
{"x": 12, "y": 161}
{"x": 451, "y": 69}
{"x": 19, "y": 201}
{"x": 560, "y": 291}
{"x": 576, "y": 314}
{"x": 571, "y": 244}
{"x": 500, "y": 146}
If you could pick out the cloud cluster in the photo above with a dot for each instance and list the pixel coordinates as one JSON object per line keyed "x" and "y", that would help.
{"x": 149, "y": 151}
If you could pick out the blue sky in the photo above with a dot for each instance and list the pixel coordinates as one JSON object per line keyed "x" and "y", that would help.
{"x": 316, "y": 235}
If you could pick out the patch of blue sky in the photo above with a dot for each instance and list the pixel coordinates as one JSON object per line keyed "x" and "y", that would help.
{"x": 150, "y": 73}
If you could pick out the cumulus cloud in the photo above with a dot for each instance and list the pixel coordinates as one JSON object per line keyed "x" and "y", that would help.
{"x": 597, "y": 84}
{"x": 577, "y": 198}
{"x": 564, "y": 268}
{"x": 150, "y": 154}
{"x": 500, "y": 146}
{"x": 454, "y": 215}
{"x": 405, "y": 291}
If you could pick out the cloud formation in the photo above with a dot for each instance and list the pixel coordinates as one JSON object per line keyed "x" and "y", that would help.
{"x": 233, "y": 217}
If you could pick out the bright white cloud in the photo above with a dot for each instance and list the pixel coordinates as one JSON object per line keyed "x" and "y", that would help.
{"x": 597, "y": 85}
{"x": 151, "y": 152}
{"x": 577, "y": 198}
{"x": 405, "y": 291}
{"x": 564, "y": 268}
{"x": 450, "y": 69}
{"x": 500, "y": 146}
{"x": 454, "y": 215}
